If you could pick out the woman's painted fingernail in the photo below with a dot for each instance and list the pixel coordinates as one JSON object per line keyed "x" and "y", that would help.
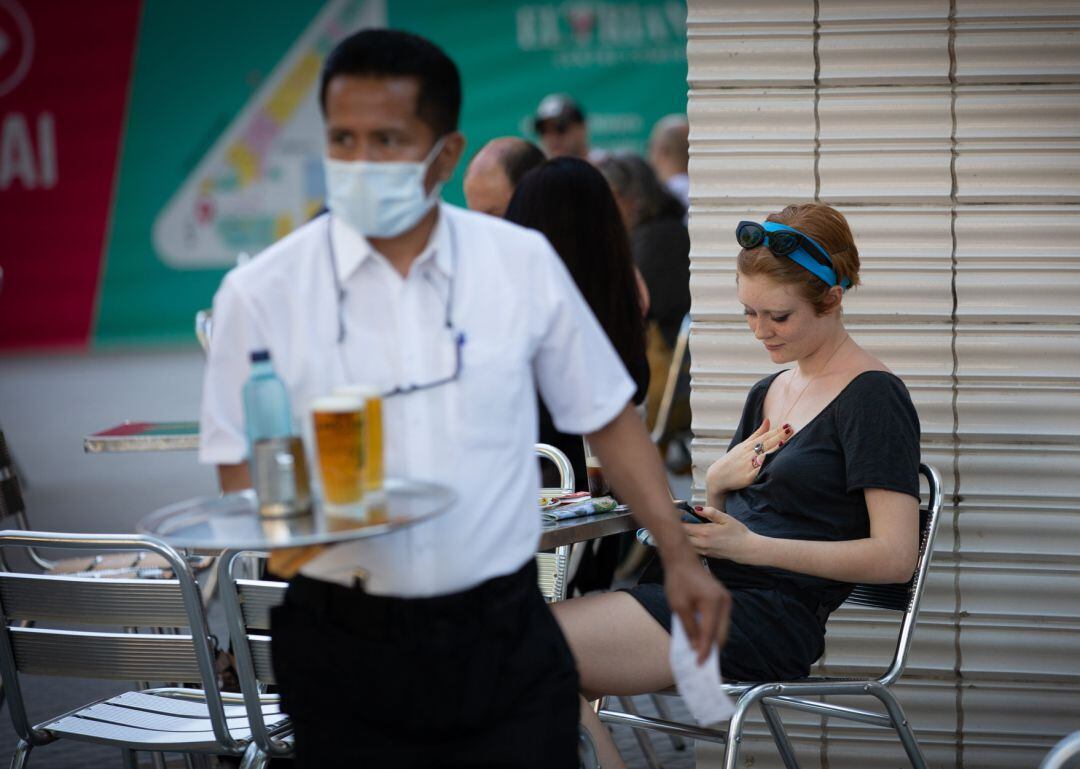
{"x": 787, "y": 428}
{"x": 754, "y": 462}
{"x": 698, "y": 508}
{"x": 780, "y": 445}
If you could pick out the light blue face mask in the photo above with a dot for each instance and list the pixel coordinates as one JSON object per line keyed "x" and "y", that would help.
{"x": 380, "y": 200}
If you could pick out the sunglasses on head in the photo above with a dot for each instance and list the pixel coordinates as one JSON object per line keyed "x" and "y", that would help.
{"x": 786, "y": 241}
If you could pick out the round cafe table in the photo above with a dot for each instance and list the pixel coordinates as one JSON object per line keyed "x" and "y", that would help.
{"x": 233, "y": 522}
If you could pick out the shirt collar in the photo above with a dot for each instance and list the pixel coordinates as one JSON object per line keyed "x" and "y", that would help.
{"x": 351, "y": 249}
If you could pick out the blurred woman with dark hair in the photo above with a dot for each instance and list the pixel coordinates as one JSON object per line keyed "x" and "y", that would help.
{"x": 568, "y": 201}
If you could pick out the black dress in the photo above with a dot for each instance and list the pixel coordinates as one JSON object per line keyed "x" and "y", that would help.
{"x": 810, "y": 489}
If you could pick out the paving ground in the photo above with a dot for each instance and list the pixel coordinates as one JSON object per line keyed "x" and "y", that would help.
{"x": 47, "y": 404}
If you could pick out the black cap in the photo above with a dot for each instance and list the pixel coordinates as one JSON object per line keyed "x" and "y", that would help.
{"x": 559, "y": 107}
{"x": 259, "y": 355}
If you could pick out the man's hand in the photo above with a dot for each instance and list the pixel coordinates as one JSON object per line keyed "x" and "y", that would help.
{"x": 702, "y": 603}
{"x": 632, "y": 465}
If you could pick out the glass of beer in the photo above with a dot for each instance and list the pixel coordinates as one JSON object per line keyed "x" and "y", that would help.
{"x": 372, "y": 470}
{"x": 339, "y": 447}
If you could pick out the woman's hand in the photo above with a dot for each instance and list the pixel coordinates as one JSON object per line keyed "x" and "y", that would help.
{"x": 738, "y": 468}
{"x": 725, "y": 537}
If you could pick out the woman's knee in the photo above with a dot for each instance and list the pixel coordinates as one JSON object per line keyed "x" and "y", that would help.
{"x": 617, "y": 645}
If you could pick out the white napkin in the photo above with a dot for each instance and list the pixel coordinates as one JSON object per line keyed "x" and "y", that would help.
{"x": 699, "y": 685}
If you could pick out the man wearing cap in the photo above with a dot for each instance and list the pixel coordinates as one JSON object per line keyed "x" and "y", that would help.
{"x": 431, "y": 646}
{"x": 560, "y": 123}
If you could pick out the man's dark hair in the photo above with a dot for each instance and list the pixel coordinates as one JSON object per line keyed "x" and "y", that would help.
{"x": 393, "y": 53}
{"x": 520, "y": 158}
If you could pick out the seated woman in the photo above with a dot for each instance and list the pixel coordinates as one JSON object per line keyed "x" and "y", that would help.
{"x": 568, "y": 201}
{"x": 818, "y": 488}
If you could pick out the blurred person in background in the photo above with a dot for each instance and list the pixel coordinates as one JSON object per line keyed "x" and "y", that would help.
{"x": 660, "y": 245}
{"x": 570, "y": 203}
{"x": 495, "y": 171}
{"x": 560, "y": 123}
{"x": 669, "y": 154}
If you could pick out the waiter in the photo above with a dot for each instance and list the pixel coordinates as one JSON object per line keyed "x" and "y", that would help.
{"x": 432, "y": 646}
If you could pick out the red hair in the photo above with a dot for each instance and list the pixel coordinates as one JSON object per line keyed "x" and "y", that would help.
{"x": 830, "y": 230}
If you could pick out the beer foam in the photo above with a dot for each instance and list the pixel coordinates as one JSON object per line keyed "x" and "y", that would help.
{"x": 362, "y": 391}
{"x": 337, "y": 403}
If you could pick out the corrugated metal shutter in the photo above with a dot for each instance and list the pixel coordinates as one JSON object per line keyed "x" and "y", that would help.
{"x": 949, "y": 133}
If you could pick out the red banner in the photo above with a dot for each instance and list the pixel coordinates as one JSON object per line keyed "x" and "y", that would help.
{"x": 65, "y": 67}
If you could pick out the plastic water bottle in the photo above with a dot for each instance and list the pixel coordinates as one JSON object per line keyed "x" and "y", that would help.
{"x": 266, "y": 402}
{"x": 276, "y": 456}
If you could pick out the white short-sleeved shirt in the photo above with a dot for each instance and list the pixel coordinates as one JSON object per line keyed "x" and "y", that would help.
{"x": 526, "y": 327}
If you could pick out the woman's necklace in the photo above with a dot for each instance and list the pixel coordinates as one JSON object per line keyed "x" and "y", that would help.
{"x": 812, "y": 379}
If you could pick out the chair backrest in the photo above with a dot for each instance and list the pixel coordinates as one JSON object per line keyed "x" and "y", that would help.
{"x": 247, "y": 604}
{"x": 204, "y": 328}
{"x": 906, "y": 597}
{"x": 11, "y": 499}
{"x": 551, "y": 568}
{"x": 562, "y": 464}
{"x": 678, "y": 362}
{"x": 125, "y": 604}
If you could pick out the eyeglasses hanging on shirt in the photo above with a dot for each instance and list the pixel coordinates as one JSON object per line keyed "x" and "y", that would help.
{"x": 454, "y": 336}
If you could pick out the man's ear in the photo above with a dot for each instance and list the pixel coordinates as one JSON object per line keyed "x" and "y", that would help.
{"x": 450, "y": 156}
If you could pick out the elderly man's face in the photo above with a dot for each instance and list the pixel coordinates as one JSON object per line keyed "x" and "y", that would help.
{"x": 488, "y": 190}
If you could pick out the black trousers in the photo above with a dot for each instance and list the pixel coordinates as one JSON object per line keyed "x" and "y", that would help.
{"x": 482, "y": 678}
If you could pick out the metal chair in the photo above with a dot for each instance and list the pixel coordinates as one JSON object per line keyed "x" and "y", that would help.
{"x": 796, "y": 695}
{"x": 674, "y": 375}
{"x": 247, "y": 604}
{"x": 204, "y": 328}
{"x": 1064, "y": 755}
{"x": 553, "y": 568}
{"x": 198, "y": 721}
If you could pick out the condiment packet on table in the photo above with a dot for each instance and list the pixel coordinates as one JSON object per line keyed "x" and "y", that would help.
{"x": 699, "y": 685}
{"x": 579, "y": 509}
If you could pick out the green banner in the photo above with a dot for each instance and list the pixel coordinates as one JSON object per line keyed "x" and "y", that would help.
{"x": 223, "y": 141}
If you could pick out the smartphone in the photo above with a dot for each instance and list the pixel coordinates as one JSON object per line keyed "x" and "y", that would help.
{"x": 688, "y": 513}
{"x": 688, "y": 516}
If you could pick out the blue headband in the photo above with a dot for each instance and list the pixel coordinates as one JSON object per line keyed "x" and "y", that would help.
{"x": 804, "y": 260}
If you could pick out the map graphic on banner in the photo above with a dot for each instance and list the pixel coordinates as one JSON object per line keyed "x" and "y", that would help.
{"x": 263, "y": 177}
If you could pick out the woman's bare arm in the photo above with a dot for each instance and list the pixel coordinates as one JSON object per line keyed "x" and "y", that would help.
{"x": 887, "y": 555}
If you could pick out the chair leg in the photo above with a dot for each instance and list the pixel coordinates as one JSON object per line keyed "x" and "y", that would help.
{"x": 129, "y": 759}
{"x": 253, "y": 758}
{"x": 779, "y": 735}
{"x": 21, "y": 755}
{"x": 735, "y": 729}
{"x": 587, "y": 758}
{"x": 900, "y": 723}
{"x": 157, "y": 760}
{"x": 647, "y": 749}
{"x": 677, "y": 742}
